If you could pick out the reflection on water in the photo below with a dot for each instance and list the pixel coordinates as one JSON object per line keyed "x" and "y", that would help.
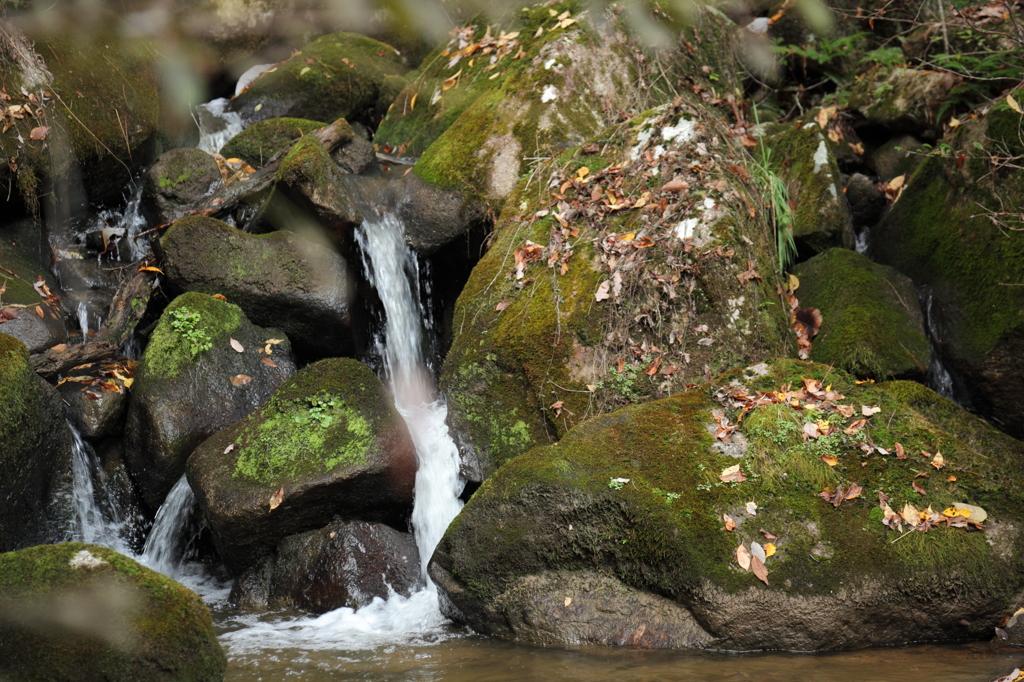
{"x": 456, "y": 656}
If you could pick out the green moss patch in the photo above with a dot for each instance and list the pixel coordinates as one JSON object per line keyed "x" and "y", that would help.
{"x": 151, "y": 627}
{"x": 327, "y": 416}
{"x": 872, "y": 324}
{"x": 189, "y": 326}
{"x": 260, "y": 141}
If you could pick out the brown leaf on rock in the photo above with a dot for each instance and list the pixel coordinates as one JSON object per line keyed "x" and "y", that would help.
{"x": 938, "y": 461}
{"x": 276, "y": 499}
{"x": 743, "y": 557}
{"x": 557, "y": 407}
{"x": 236, "y": 345}
{"x": 730, "y": 523}
{"x": 732, "y": 475}
{"x": 757, "y": 566}
{"x": 917, "y": 488}
{"x": 501, "y": 306}
{"x": 240, "y": 379}
{"x": 900, "y": 454}
{"x": 267, "y": 361}
{"x": 845, "y": 410}
{"x": 675, "y": 185}
{"x": 39, "y": 132}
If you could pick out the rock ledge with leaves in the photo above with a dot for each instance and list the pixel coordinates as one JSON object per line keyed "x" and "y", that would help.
{"x": 857, "y": 514}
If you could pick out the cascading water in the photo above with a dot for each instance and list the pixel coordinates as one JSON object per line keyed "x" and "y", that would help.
{"x": 92, "y": 523}
{"x": 939, "y": 378}
{"x": 393, "y": 271}
{"x": 163, "y": 551}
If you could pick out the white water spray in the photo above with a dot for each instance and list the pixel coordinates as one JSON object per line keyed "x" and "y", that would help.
{"x": 162, "y": 551}
{"x": 91, "y": 524}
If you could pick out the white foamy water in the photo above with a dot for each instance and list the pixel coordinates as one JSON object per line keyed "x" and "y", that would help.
{"x": 162, "y": 551}
{"x": 217, "y": 125}
{"x": 91, "y": 523}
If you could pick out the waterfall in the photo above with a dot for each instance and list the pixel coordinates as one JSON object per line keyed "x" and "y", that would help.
{"x": 217, "y": 124}
{"x": 939, "y": 378}
{"x": 92, "y": 523}
{"x": 392, "y": 270}
{"x": 163, "y": 550}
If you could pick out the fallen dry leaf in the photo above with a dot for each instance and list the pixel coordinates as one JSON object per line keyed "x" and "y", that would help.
{"x": 917, "y": 488}
{"x": 236, "y": 345}
{"x": 240, "y": 379}
{"x": 752, "y": 508}
{"x": 899, "y": 451}
{"x": 268, "y": 362}
{"x": 845, "y": 410}
{"x": 557, "y": 407}
{"x": 276, "y": 499}
{"x": 732, "y": 474}
{"x": 602, "y": 291}
{"x": 39, "y": 132}
{"x": 829, "y": 460}
{"x": 229, "y": 448}
{"x": 501, "y": 306}
{"x": 757, "y": 566}
{"x": 568, "y": 600}
{"x": 220, "y": 297}
{"x": 938, "y": 461}
{"x": 730, "y": 524}
{"x": 868, "y": 410}
{"x": 675, "y": 185}
{"x": 743, "y": 557}
{"x": 769, "y": 549}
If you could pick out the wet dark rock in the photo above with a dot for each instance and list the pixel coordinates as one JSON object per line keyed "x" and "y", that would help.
{"x": 280, "y": 279}
{"x": 872, "y": 324}
{"x": 328, "y": 443}
{"x": 259, "y": 142}
{"x": 176, "y": 182}
{"x": 867, "y": 203}
{"x": 95, "y": 412}
{"x": 191, "y": 383}
{"x": 345, "y": 564}
{"x": 83, "y": 612}
{"x": 435, "y": 217}
{"x": 20, "y": 301}
{"x": 36, "y": 448}
{"x": 895, "y": 157}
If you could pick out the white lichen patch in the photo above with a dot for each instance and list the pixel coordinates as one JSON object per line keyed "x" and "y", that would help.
{"x": 685, "y": 229}
{"x": 680, "y": 133}
{"x": 642, "y": 138}
{"x": 549, "y": 63}
{"x": 550, "y": 94}
{"x": 821, "y": 155}
{"x": 505, "y": 164}
{"x": 736, "y": 319}
{"x": 86, "y": 559}
{"x": 709, "y": 203}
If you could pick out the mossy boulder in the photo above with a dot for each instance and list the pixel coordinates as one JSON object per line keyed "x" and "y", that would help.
{"x": 341, "y": 75}
{"x": 103, "y": 109}
{"x": 902, "y": 99}
{"x": 176, "y": 182}
{"x": 946, "y": 232}
{"x": 83, "y": 612}
{"x": 618, "y": 533}
{"x": 278, "y": 279}
{"x": 259, "y": 142}
{"x": 802, "y": 157}
{"x": 192, "y": 382}
{"x": 345, "y": 564}
{"x": 21, "y": 301}
{"x": 652, "y": 268}
{"x": 328, "y": 443}
{"x": 872, "y": 324}
{"x": 36, "y": 448}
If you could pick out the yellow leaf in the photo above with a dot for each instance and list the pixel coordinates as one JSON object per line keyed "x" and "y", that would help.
{"x": 304, "y": 71}
{"x": 954, "y": 511}
{"x": 449, "y": 83}
{"x": 568, "y": 600}
{"x": 150, "y": 268}
{"x": 769, "y": 549}
{"x": 128, "y": 382}
{"x": 582, "y": 172}
{"x": 896, "y": 182}
{"x": 412, "y": 102}
{"x": 628, "y": 237}
{"x": 1012, "y": 103}
{"x": 794, "y": 283}
{"x": 829, "y": 460}
{"x": 954, "y": 122}
{"x": 938, "y": 461}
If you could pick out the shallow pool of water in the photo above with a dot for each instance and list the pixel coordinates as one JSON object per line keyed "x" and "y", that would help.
{"x": 289, "y": 648}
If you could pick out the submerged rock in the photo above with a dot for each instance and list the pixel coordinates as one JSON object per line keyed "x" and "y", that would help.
{"x": 639, "y": 511}
{"x": 192, "y": 382}
{"x": 948, "y": 232}
{"x": 36, "y": 448}
{"x": 872, "y": 324}
{"x": 278, "y": 279}
{"x": 345, "y": 564}
{"x": 328, "y": 443}
{"x": 83, "y": 612}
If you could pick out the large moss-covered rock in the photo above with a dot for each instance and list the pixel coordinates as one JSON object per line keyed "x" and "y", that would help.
{"x": 341, "y": 75}
{"x": 176, "y": 182}
{"x": 261, "y": 141}
{"x": 329, "y": 442}
{"x": 902, "y": 99}
{"x": 872, "y": 325}
{"x": 345, "y": 564}
{"x": 20, "y": 299}
{"x": 192, "y": 382}
{"x": 83, "y": 612}
{"x": 623, "y": 288}
{"x": 278, "y": 279}
{"x": 102, "y": 113}
{"x": 36, "y": 448}
{"x": 617, "y": 534}
{"x": 947, "y": 232}
{"x": 802, "y": 157}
